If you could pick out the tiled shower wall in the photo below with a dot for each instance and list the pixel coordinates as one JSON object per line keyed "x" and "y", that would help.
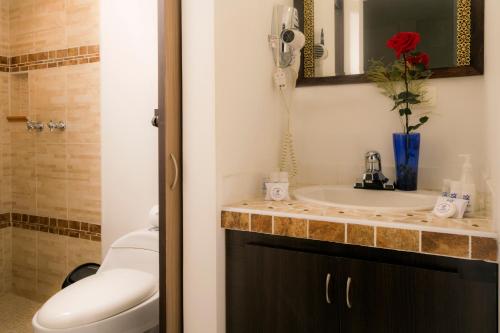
{"x": 50, "y": 207}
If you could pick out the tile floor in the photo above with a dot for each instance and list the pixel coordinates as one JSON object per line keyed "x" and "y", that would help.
{"x": 16, "y": 313}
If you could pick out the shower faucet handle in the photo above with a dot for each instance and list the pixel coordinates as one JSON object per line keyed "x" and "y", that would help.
{"x": 34, "y": 125}
{"x": 56, "y": 125}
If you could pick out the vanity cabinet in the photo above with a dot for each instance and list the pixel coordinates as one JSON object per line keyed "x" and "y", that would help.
{"x": 278, "y": 284}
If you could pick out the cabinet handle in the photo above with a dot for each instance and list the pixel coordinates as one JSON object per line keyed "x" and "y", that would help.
{"x": 327, "y": 288}
{"x": 348, "y": 293}
{"x": 176, "y": 172}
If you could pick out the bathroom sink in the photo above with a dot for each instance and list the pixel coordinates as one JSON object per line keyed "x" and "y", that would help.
{"x": 384, "y": 201}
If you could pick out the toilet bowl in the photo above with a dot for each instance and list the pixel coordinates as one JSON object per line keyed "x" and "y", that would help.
{"x": 122, "y": 297}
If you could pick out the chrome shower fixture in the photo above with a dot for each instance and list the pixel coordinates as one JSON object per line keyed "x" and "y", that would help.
{"x": 34, "y": 125}
{"x": 61, "y": 125}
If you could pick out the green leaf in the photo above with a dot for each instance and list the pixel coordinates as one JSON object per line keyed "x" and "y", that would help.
{"x": 407, "y": 95}
{"x": 405, "y": 111}
{"x": 414, "y": 127}
{"x": 423, "y": 120}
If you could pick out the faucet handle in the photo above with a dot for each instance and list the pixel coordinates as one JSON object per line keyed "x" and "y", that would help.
{"x": 373, "y": 161}
{"x": 51, "y": 125}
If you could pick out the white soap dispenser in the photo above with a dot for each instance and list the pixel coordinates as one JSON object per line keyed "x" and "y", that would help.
{"x": 468, "y": 188}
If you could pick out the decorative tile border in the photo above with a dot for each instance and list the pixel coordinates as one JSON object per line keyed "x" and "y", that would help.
{"x": 5, "y": 220}
{"x": 4, "y": 64}
{"x": 435, "y": 243}
{"x": 50, "y": 59}
{"x": 51, "y": 225}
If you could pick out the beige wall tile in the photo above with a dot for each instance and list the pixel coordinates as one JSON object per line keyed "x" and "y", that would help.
{"x": 84, "y": 182}
{"x": 84, "y": 202}
{"x": 50, "y": 25}
{"x": 36, "y": 169}
{"x": 3, "y": 269}
{"x": 22, "y": 26}
{"x": 284, "y": 226}
{"x": 51, "y": 161}
{"x": 51, "y": 197}
{"x": 48, "y": 101}
{"x": 5, "y": 157}
{"x": 24, "y": 264}
{"x": 23, "y": 181}
{"x": 82, "y": 22}
{"x": 81, "y": 251}
{"x": 7, "y": 256}
{"x": 83, "y": 103}
{"x": 52, "y": 267}
{"x": 84, "y": 162}
{"x": 19, "y": 95}
{"x": 4, "y": 27}
{"x": 51, "y": 180}
{"x": 44, "y": 25}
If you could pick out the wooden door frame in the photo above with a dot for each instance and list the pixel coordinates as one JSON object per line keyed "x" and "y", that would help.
{"x": 169, "y": 145}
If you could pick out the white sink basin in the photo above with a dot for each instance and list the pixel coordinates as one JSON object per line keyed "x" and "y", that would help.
{"x": 347, "y": 197}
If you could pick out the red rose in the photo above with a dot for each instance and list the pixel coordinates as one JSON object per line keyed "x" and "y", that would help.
{"x": 421, "y": 58}
{"x": 403, "y": 42}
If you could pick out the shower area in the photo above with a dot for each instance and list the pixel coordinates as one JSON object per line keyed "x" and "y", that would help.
{"x": 50, "y": 186}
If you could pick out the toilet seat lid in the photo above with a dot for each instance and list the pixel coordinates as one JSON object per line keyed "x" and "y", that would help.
{"x": 96, "y": 298}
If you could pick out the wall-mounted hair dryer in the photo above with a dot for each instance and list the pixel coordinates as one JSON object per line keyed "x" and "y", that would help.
{"x": 320, "y": 50}
{"x": 286, "y": 39}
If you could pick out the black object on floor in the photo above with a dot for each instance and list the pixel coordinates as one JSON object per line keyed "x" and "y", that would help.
{"x": 79, "y": 273}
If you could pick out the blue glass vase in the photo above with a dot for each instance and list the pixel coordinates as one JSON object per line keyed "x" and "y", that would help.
{"x": 406, "y": 153}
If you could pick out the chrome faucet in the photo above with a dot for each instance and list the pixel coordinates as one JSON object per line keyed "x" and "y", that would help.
{"x": 61, "y": 125}
{"x": 34, "y": 125}
{"x": 373, "y": 178}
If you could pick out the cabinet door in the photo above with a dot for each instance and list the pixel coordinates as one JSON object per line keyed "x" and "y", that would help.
{"x": 402, "y": 299}
{"x": 281, "y": 291}
{"x": 446, "y": 302}
{"x": 377, "y": 298}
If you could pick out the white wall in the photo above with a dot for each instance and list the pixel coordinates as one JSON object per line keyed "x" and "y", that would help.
{"x": 201, "y": 235}
{"x": 129, "y": 90}
{"x": 249, "y": 107}
{"x": 336, "y": 125}
{"x": 492, "y": 80}
{"x": 231, "y": 112}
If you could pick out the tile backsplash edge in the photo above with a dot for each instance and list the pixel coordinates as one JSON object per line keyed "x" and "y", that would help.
{"x": 75, "y": 229}
{"x": 486, "y": 250}
{"x": 49, "y": 59}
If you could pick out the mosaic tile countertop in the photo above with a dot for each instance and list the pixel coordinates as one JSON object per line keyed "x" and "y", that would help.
{"x": 414, "y": 231}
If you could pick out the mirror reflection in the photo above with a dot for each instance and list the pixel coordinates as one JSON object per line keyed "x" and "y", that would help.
{"x": 349, "y": 33}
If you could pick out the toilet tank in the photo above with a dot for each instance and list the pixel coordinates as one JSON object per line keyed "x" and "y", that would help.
{"x": 137, "y": 250}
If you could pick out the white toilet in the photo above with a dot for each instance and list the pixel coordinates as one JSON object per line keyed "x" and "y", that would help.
{"x": 122, "y": 297}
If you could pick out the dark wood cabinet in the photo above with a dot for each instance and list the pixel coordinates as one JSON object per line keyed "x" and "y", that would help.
{"x": 377, "y": 297}
{"x": 295, "y": 283}
{"x": 277, "y": 284}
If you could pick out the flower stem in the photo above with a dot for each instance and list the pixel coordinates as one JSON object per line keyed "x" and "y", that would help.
{"x": 407, "y": 127}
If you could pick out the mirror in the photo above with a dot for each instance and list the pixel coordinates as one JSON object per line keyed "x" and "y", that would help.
{"x": 342, "y": 36}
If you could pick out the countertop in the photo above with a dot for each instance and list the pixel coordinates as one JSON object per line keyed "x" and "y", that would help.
{"x": 414, "y": 231}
